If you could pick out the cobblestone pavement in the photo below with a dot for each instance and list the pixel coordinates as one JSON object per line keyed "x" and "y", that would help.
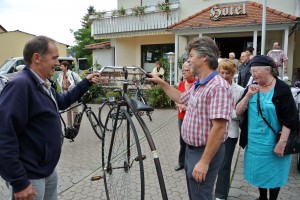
{"x": 242, "y": 190}
{"x": 80, "y": 161}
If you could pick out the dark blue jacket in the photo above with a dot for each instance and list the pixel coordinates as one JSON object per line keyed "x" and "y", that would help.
{"x": 30, "y": 128}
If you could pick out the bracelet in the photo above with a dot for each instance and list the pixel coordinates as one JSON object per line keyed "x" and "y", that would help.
{"x": 282, "y": 141}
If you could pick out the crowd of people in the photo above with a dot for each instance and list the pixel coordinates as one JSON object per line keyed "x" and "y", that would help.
{"x": 213, "y": 111}
{"x": 217, "y": 110}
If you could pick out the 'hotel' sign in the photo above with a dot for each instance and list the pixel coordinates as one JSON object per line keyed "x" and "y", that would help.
{"x": 216, "y": 12}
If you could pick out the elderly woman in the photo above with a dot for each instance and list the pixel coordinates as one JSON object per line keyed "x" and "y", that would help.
{"x": 227, "y": 69}
{"x": 189, "y": 79}
{"x": 265, "y": 165}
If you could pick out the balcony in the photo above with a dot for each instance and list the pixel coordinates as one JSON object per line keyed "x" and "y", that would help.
{"x": 111, "y": 24}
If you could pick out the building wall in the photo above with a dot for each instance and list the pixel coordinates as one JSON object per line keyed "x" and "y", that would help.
{"x": 296, "y": 58}
{"x": 103, "y": 57}
{"x": 128, "y": 50}
{"x": 128, "y": 4}
{"x": 13, "y": 42}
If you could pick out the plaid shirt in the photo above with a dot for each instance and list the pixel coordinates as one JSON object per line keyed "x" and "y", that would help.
{"x": 211, "y": 99}
{"x": 278, "y": 56}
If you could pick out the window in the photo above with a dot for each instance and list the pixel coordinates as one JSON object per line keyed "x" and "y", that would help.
{"x": 153, "y": 53}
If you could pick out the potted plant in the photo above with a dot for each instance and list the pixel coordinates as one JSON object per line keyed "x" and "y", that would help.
{"x": 164, "y": 7}
{"x": 122, "y": 11}
{"x": 138, "y": 10}
{"x": 100, "y": 14}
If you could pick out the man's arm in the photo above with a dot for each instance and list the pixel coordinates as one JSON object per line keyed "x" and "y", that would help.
{"x": 285, "y": 67}
{"x": 215, "y": 138}
{"x": 172, "y": 92}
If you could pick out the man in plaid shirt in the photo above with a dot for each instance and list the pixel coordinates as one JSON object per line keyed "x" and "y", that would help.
{"x": 204, "y": 129}
{"x": 280, "y": 59}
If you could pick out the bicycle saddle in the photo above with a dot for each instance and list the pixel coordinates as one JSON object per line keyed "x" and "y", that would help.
{"x": 140, "y": 106}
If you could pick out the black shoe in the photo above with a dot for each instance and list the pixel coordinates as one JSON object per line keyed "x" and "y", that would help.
{"x": 179, "y": 167}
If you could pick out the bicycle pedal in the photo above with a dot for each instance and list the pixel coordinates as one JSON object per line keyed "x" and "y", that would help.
{"x": 96, "y": 178}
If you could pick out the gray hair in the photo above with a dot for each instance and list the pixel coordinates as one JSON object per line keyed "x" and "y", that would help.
{"x": 186, "y": 64}
{"x": 232, "y": 53}
{"x": 38, "y": 44}
{"x": 205, "y": 46}
{"x": 272, "y": 70}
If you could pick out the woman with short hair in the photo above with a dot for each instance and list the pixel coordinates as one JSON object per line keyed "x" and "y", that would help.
{"x": 67, "y": 79}
{"x": 227, "y": 70}
{"x": 187, "y": 83}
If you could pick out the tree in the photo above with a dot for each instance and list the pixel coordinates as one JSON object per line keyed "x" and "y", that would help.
{"x": 83, "y": 37}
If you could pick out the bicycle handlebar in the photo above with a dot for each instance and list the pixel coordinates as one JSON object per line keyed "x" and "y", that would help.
{"x": 122, "y": 68}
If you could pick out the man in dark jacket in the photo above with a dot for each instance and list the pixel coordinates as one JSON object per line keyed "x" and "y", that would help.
{"x": 30, "y": 127}
{"x": 244, "y": 70}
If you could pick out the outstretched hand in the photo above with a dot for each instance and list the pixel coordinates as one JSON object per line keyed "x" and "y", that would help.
{"x": 155, "y": 79}
{"x": 94, "y": 77}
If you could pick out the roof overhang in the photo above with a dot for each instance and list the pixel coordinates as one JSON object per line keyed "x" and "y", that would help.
{"x": 232, "y": 28}
{"x": 249, "y": 18}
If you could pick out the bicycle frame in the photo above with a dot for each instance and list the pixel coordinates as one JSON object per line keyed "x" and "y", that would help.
{"x": 78, "y": 118}
{"x": 129, "y": 106}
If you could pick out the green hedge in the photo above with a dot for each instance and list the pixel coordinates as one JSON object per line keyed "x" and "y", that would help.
{"x": 157, "y": 98}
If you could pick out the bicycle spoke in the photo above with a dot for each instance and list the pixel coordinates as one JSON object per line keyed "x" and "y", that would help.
{"x": 123, "y": 177}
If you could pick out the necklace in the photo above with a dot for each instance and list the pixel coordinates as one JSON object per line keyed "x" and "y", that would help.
{"x": 266, "y": 85}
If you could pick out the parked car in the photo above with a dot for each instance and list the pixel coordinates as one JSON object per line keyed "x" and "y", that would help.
{"x": 10, "y": 65}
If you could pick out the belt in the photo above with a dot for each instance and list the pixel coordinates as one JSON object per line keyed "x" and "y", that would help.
{"x": 193, "y": 147}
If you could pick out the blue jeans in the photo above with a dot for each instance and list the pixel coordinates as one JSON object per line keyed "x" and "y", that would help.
{"x": 223, "y": 180}
{"x": 46, "y": 188}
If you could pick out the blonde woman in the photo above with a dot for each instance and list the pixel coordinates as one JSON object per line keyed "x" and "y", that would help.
{"x": 227, "y": 70}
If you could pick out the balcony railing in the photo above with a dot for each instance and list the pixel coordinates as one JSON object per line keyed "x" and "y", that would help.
{"x": 152, "y": 19}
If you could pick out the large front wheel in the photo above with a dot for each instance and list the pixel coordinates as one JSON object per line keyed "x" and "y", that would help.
{"x": 122, "y": 162}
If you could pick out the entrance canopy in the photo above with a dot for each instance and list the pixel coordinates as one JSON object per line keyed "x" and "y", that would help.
{"x": 232, "y": 15}
{"x": 232, "y": 24}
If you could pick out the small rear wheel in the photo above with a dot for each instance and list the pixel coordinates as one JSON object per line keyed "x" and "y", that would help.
{"x": 95, "y": 124}
{"x": 104, "y": 109}
{"x": 122, "y": 162}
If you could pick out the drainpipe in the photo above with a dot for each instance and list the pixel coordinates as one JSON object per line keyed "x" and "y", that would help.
{"x": 263, "y": 29}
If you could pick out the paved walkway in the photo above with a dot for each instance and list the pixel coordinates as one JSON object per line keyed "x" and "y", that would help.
{"x": 80, "y": 161}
